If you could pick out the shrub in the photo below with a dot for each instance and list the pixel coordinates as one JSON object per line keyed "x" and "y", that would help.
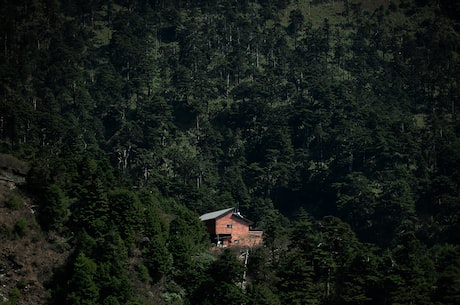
{"x": 20, "y": 228}
{"x": 13, "y": 297}
{"x": 14, "y": 202}
{"x": 22, "y": 283}
{"x": 143, "y": 273}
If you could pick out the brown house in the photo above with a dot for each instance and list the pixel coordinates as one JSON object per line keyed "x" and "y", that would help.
{"x": 228, "y": 227}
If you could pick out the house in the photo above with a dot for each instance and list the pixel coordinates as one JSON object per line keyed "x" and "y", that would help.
{"x": 228, "y": 227}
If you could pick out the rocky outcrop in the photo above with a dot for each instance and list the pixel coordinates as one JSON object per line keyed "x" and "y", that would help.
{"x": 13, "y": 172}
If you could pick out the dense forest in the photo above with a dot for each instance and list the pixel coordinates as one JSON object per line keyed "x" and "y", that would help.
{"x": 332, "y": 124}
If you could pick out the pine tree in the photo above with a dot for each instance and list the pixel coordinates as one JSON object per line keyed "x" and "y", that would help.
{"x": 83, "y": 289}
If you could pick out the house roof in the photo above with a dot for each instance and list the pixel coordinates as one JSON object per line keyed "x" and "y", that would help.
{"x": 220, "y": 213}
{"x": 215, "y": 214}
{"x": 241, "y": 217}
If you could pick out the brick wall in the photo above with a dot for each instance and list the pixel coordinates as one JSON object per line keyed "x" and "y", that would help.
{"x": 239, "y": 229}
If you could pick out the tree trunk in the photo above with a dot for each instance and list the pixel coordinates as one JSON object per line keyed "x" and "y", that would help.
{"x": 5, "y": 40}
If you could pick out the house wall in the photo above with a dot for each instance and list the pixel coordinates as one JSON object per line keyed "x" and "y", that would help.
{"x": 237, "y": 228}
{"x": 241, "y": 235}
{"x": 211, "y": 226}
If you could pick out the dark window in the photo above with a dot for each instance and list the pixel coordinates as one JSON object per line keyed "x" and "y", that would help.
{"x": 229, "y": 226}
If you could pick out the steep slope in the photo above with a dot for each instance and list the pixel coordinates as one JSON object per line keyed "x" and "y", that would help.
{"x": 28, "y": 256}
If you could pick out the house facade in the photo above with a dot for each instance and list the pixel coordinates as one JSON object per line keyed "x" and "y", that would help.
{"x": 228, "y": 228}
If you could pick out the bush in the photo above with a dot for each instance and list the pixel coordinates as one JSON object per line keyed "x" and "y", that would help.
{"x": 14, "y": 202}
{"x": 22, "y": 284}
{"x": 143, "y": 273}
{"x": 13, "y": 297}
{"x": 20, "y": 228}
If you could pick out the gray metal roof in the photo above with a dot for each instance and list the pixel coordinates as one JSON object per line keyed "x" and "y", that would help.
{"x": 215, "y": 214}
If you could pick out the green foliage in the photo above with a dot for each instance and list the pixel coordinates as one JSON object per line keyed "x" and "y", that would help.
{"x": 20, "y": 228}
{"x": 447, "y": 265}
{"x": 53, "y": 208}
{"x": 226, "y": 268}
{"x": 113, "y": 283}
{"x": 260, "y": 269}
{"x": 143, "y": 273}
{"x": 221, "y": 283}
{"x": 295, "y": 285}
{"x": 22, "y": 283}
{"x": 137, "y": 116}
{"x": 158, "y": 259}
{"x": 13, "y": 297}
{"x": 175, "y": 295}
{"x": 125, "y": 213}
{"x": 91, "y": 210}
{"x": 14, "y": 202}
{"x": 187, "y": 238}
{"x": 263, "y": 295}
{"x": 83, "y": 289}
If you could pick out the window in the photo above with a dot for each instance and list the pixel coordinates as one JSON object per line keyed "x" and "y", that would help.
{"x": 229, "y": 225}
{"x": 237, "y": 241}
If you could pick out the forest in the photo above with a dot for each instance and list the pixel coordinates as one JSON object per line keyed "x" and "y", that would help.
{"x": 332, "y": 124}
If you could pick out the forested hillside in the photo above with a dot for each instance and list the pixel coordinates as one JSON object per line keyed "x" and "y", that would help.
{"x": 332, "y": 124}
